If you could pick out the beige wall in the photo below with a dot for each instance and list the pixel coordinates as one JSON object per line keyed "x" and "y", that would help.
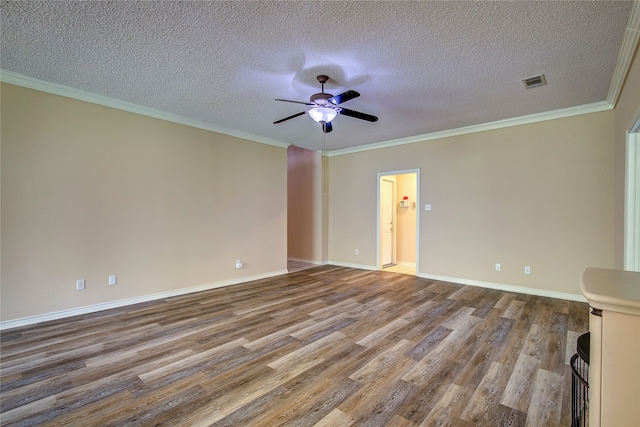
{"x": 89, "y": 191}
{"x": 627, "y": 112}
{"x": 304, "y": 204}
{"x": 539, "y": 194}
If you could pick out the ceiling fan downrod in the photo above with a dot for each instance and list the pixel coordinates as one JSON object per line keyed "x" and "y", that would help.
{"x": 322, "y": 79}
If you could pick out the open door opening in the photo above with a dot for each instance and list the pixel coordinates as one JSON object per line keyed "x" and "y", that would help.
{"x": 632, "y": 200}
{"x": 398, "y": 225}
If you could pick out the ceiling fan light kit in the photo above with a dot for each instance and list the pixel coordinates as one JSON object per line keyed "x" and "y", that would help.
{"x": 323, "y": 114}
{"x": 325, "y": 107}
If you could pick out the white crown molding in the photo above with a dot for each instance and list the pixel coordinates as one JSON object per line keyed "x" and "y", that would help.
{"x": 499, "y": 124}
{"x": 507, "y": 288}
{"x": 81, "y": 95}
{"x": 56, "y": 89}
{"x": 25, "y": 321}
{"x": 625, "y": 56}
{"x": 623, "y": 63}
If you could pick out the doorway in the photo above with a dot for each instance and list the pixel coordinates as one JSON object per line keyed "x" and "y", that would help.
{"x": 632, "y": 200}
{"x": 398, "y": 221}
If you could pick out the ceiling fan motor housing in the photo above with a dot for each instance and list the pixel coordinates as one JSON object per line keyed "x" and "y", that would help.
{"x": 321, "y": 98}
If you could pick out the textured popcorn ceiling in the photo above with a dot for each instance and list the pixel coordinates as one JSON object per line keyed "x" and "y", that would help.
{"x": 421, "y": 67}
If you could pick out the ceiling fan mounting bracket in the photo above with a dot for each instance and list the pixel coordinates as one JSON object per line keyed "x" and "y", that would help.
{"x": 322, "y": 78}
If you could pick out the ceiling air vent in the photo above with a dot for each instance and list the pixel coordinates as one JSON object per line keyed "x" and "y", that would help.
{"x": 535, "y": 81}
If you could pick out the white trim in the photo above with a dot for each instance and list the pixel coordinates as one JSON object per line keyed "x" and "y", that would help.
{"x": 394, "y": 184}
{"x": 625, "y": 55}
{"x": 632, "y": 203}
{"x": 478, "y": 283}
{"x": 507, "y": 288}
{"x": 25, "y": 321}
{"x": 57, "y": 89}
{"x": 81, "y": 95}
{"x": 499, "y": 124}
{"x": 308, "y": 261}
{"x": 634, "y": 124}
{"x": 418, "y": 204}
{"x": 349, "y": 265}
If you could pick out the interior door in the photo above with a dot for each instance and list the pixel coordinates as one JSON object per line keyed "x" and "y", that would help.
{"x": 387, "y": 226}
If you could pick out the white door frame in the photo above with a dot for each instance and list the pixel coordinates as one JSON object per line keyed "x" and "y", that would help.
{"x": 394, "y": 189}
{"x": 379, "y": 177}
{"x": 632, "y": 200}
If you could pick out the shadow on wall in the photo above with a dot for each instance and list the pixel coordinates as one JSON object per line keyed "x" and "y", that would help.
{"x": 304, "y": 205}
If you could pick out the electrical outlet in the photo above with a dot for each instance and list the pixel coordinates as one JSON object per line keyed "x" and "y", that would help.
{"x": 112, "y": 280}
{"x": 357, "y": 251}
{"x": 497, "y": 267}
{"x": 80, "y": 284}
{"x": 527, "y": 269}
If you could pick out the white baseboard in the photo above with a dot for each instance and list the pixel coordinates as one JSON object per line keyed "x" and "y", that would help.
{"x": 481, "y": 284}
{"x": 507, "y": 288}
{"x": 349, "y": 265}
{"x": 308, "y": 261}
{"x": 25, "y": 321}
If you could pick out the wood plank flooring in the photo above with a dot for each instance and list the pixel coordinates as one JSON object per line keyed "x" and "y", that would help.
{"x": 326, "y": 346}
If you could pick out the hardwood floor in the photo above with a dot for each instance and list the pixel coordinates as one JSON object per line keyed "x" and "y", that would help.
{"x": 326, "y": 346}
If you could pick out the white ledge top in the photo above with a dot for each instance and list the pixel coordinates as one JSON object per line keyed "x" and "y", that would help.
{"x": 614, "y": 290}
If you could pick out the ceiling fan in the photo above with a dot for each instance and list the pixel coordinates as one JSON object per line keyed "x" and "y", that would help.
{"x": 325, "y": 107}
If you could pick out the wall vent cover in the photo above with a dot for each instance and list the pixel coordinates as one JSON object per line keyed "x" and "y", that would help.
{"x": 534, "y": 81}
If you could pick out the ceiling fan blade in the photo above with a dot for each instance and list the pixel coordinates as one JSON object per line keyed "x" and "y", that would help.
{"x": 295, "y": 102}
{"x": 343, "y": 97}
{"x": 358, "y": 115}
{"x": 290, "y": 117}
{"x": 327, "y": 127}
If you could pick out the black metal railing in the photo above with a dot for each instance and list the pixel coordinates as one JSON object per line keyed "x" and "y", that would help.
{"x": 580, "y": 383}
